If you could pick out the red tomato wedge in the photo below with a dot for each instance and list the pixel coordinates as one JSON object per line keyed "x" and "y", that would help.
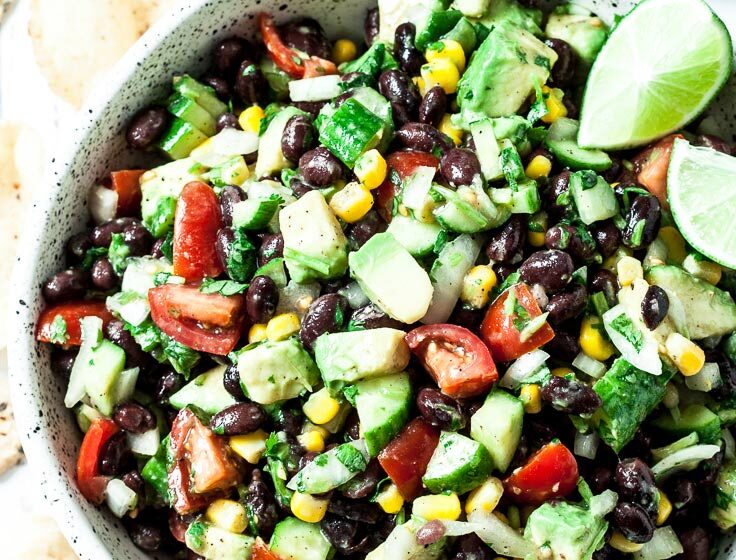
{"x": 404, "y": 163}
{"x": 261, "y": 551}
{"x": 71, "y": 312}
{"x": 90, "y": 482}
{"x": 314, "y": 67}
{"x": 457, "y": 359}
{"x": 552, "y": 472}
{"x": 126, "y": 184}
{"x": 195, "y": 233}
{"x": 652, "y": 165}
{"x": 500, "y": 332}
{"x": 206, "y": 322}
{"x": 406, "y": 457}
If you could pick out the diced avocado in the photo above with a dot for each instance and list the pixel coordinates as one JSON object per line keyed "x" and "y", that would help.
{"x": 383, "y": 408}
{"x": 352, "y": 130}
{"x": 393, "y": 13}
{"x": 419, "y": 238}
{"x": 692, "y": 418}
{"x": 562, "y": 142}
{"x": 593, "y": 196}
{"x": 723, "y": 512}
{"x": 586, "y": 35}
{"x": 402, "y": 544}
{"x": 205, "y": 391}
{"x": 471, "y": 8}
{"x": 458, "y": 464}
{"x": 181, "y": 138}
{"x": 276, "y": 371}
{"x": 271, "y": 158}
{"x": 160, "y": 188}
{"x": 463, "y": 33}
{"x": 512, "y": 12}
{"x": 331, "y": 469}
{"x": 497, "y": 425}
{"x": 628, "y": 395}
{"x": 391, "y": 278}
{"x": 214, "y": 543}
{"x": 205, "y": 96}
{"x": 569, "y": 531}
{"x": 315, "y": 247}
{"x": 190, "y": 111}
{"x": 709, "y": 311}
{"x": 437, "y": 25}
{"x": 503, "y": 73}
{"x": 346, "y": 357}
{"x": 294, "y": 539}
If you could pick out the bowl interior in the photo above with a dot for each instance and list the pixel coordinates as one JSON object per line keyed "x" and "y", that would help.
{"x": 178, "y": 44}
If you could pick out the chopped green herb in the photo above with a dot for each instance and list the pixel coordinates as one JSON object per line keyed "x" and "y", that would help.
{"x": 223, "y": 287}
{"x": 351, "y": 458}
{"x": 58, "y": 333}
{"x": 92, "y": 255}
{"x": 118, "y": 253}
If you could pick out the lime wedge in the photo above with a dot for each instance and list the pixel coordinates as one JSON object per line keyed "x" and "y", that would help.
{"x": 661, "y": 66}
{"x": 701, "y": 189}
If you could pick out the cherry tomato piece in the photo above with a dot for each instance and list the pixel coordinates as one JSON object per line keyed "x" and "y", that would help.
{"x": 71, "y": 312}
{"x": 315, "y": 67}
{"x": 284, "y": 57}
{"x": 501, "y": 330}
{"x": 91, "y": 484}
{"x": 262, "y": 552}
{"x": 187, "y": 302}
{"x": 652, "y": 165}
{"x": 126, "y": 184}
{"x": 552, "y": 472}
{"x": 456, "y": 359}
{"x": 404, "y": 164}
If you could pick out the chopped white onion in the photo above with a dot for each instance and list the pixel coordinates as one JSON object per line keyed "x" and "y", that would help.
{"x": 499, "y": 536}
{"x": 146, "y": 443}
{"x": 125, "y": 385}
{"x": 708, "y": 378}
{"x": 224, "y": 145}
{"x": 523, "y": 367}
{"x": 120, "y": 498}
{"x": 586, "y": 445}
{"x": 103, "y": 204}
{"x": 320, "y": 88}
{"x": 685, "y": 459}
{"x": 602, "y": 504}
{"x": 589, "y": 366}
{"x": 354, "y": 294}
{"x": 131, "y": 307}
{"x": 296, "y": 298}
{"x": 647, "y": 357}
{"x": 664, "y": 544}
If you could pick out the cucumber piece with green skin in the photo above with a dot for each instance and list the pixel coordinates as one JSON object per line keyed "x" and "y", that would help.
{"x": 415, "y": 194}
{"x": 525, "y": 199}
{"x": 487, "y": 149}
{"x": 383, "y": 408}
{"x": 628, "y": 396}
{"x": 255, "y": 213}
{"x": 331, "y": 469}
{"x": 294, "y": 539}
{"x": 368, "y": 63}
{"x": 709, "y": 311}
{"x": 561, "y": 141}
{"x": 156, "y": 471}
{"x": 204, "y": 95}
{"x": 213, "y": 543}
{"x": 458, "y": 215}
{"x": 458, "y": 465}
{"x": 692, "y": 418}
{"x": 352, "y": 131}
{"x": 206, "y": 392}
{"x": 729, "y": 347}
{"x": 419, "y": 238}
{"x": 188, "y": 110}
{"x": 497, "y": 425}
{"x": 463, "y": 33}
{"x": 275, "y": 270}
{"x": 402, "y": 544}
{"x": 723, "y": 512}
{"x": 181, "y": 138}
{"x": 271, "y": 157}
{"x": 102, "y": 369}
{"x": 439, "y": 23}
{"x": 594, "y": 198}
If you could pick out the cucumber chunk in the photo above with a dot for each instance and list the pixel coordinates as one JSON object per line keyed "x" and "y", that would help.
{"x": 190, "y": 111}
{"x": 561, "y": 141}
{"x": 497, "y": 425}
{"x": 419, "y": 238}
{"x": 205, "y": 391}
{"x": 692, "y": 418}
{"x": 294, "y": 539}
{"x": 458, "y": 464}
{"x": 181, "y": 138}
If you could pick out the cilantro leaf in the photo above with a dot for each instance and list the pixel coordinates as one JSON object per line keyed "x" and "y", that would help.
{"x": 223, "y": 287}
{"x": 58, "y": 333}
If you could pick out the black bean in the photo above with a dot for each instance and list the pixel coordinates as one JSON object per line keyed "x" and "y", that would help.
{"x": 102, "y": 234}
{"x": 62, "y": 361}
{"x": 607, "y": 282}
{"x": 261, "y": 299}
{"x": 564, "y": 346}
{"x": 319, "y": 167}
{"x": 407, "y": 55}
{"x": 654, "y": 307}
{"x": 423, "y": 138}
{"x": 355, "y": 511}
{"x": 695, "y": 544}
{"x": 430, "y": 532}
{"x": 636, "y": 484}
{"x": 307, "y": 458}
{"x": 470, "y": 547}
{"x": 565, "y": 237}
{"x": 261, "y": 505}
{"x": 300, "y": 188}
{"x": 570, "y": 397}
{"x": 238, "y": 419}
{"x": 714, "y": 143}
{"x": 361, "y": 231}
{"x": 103, "y": 275}
{"x": 397, "y": 87}
{"x": 230, "y": 195}
{"x": 220, "y": 85}
{"x": 272, "y": 247}
{"x": 727, "y": 388}
{"x": 115, "y": 456}
{"x": 633, "y": 522}
{"x": 341, "y": 533}
{"x": 298, "y": 137}
{"x": 326, "y": 315}
{"x": 507, "y": 241}
{"x": 289, "y": 421}
{"x": 228, "y": 53}
{"x": 503, "y": 270}
{"x": 133, "y": 418}
{"x": 250, "y": 85}
{"x": 306, "y": 35}
{"x": 231, "y": 382}
{"x": 365, "y": 483}
{"x": 371, "y": 317}
{"x": 311, "y": 107}
{"x": 440, "y": 410}
{"x": 467, "y": 317}
{"x": 612, "y": 173}
{"x": 223, "y": 243}
{"x": 66, "y": 285}
{"x": 642, "y": 222}
{"x": 607, "y": 236}
{"x": 138, "y": 239}
{"x": 708, "y": 470}
{"x": 371, "y": 26}
{"x": 146, "y": 127}
{"x": 573, "y": 111}
{"x": 134, "y": 481}
{"x": 563, "y": 72}
{"x": 688, "y": 501}
{"x": 77, "y": 247}
{"x": 551, "y": 269}
{"x": 168, "y": 384}
{"x": 556, "y": 195}
{"x": 146, "y": 536}
{"x": 157, "y": 248}
{"x": 568, "y": 304}
{"x": 459, "y": 166}
{"x": 601, "y": 479}
{"x": 433, "y": 106}
{"x": 134, "y": 354}
{"x": 227, "y": 120}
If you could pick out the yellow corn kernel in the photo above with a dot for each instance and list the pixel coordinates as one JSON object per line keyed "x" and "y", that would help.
{"x": 228, "y": 515}
{"x": 250, "y": 119}
{"x": 664, "y": 509}
{"x": 257, "y": 333}
{"x": 688, "y": 356}
{"x": 486, "y": 497}
{"x": 421, "y": 86}
{"x": 371, "y": 169}
{"x": 283, "y": 326}
{"x": 447, "y": 49}
{"x": 320, "y": 407}
{"x": 611, "y": 262}
{"x": 308, "y": 508}
{"x": 538, "y": 167}
{"x": 455, "y": 133}
{"x": 622, "y": 544}
{"x": 309, "y": 427}
{"x": 531, "y": 398}
{"x": 439, "y": 506}
{"x": 535, "y": 238}
{"x": 441, "y": 72}
{"x": 250, "y": 446}
{"x": 477, "y": 284}
{"x": 707, "y": 271}
{"x": 352, "y": 202}
{"x": 592, "y": 341}
{"x": 344, "y": 50}
{"x": 675, "y": 243}
{"x": 629, "y": 269}
{"x": 313, "y": 441}
{"x": 561, "y": 371}
{"x": 555, "y": 107}
{"x": 390, "y": 499}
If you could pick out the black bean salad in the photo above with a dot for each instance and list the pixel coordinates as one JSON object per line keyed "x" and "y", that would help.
{"x": 378, "y": 301}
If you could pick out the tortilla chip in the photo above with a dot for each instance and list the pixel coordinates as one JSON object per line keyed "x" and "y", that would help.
{"x": 37, "y": 538}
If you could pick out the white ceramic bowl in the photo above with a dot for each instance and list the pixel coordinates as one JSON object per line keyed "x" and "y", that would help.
{"x": 181, "y": 42}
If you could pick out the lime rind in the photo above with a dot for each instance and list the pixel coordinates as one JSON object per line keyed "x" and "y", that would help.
{"x": 701, "y": 190}
{"x": 670, "y": 71}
